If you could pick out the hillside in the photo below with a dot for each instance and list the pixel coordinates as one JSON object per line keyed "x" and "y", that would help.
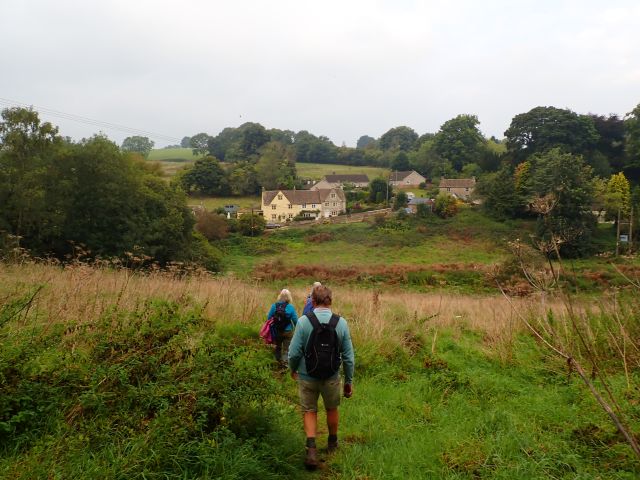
{"x": 108, "y": 374}
{"x": 173, "y": 159}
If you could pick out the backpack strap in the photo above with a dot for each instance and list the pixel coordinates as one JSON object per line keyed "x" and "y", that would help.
{"x": 315, "y": 323}
{"x": 333, "y": 323}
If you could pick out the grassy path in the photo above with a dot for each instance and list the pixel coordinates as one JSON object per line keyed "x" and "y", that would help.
{"x": 459, "y": 414}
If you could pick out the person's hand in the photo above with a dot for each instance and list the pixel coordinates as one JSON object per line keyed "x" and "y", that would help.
{"x": 294, "y": 375}
{"x": 348, "y": 390}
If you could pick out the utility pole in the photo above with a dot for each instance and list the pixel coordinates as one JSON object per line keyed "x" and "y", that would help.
{"x": 631, "y": 229}
{"x": 618, "y": 234}
{"x": 252, "y": 221}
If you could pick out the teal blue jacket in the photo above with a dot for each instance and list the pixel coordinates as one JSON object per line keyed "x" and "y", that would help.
{"x": 289, "y": 311}
{"x": 301, "y": 338}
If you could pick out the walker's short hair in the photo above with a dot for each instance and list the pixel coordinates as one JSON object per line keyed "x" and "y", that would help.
{"x": 316, "y": 284}
{"x": 285, "y": 296}
{"x": 321, "y": 295}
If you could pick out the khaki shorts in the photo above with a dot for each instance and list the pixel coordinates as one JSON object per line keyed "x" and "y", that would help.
{"x": 309, "y": 392}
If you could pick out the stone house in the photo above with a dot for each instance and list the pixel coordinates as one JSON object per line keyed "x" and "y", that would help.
{"x": 406, "y": 179}
{"x": 284, "y": 205}
{"x": 338, "y": 181}
{"x": 459, "y": 187}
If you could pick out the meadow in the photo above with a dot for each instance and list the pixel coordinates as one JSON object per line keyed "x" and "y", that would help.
{"x": 172, "y": 160}
{"x": 110, "y": 373}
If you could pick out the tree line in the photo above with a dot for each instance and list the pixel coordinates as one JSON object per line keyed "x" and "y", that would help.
{"x": 58, "y": 196}
{"x": 608, "y": 143}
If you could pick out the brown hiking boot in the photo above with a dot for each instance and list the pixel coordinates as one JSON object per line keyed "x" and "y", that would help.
{"x": 332, "y": 446}
{"x": 311, "y": 460}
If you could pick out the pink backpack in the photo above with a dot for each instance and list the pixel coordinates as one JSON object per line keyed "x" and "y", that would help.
{"x": 265, "y": 331}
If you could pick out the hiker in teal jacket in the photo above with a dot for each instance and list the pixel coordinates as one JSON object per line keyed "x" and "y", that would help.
{"x": 284, "y": 337}
{"x": 311, "y": 388}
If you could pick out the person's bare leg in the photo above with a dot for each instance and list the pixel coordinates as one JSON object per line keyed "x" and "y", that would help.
{"x": 332, "y": 421}
{"x": 310, "y": 424}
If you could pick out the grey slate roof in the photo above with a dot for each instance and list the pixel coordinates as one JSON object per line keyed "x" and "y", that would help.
{"x": 419, "y": 200}
{"x": 457, "y": 182}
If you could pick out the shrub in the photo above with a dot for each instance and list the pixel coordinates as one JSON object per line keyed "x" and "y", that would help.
{"x": 251, "y": 225}
{"x": 212, "y": 226}
{"x": 445, "y": 205}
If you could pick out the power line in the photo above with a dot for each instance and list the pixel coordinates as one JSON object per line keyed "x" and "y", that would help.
{"x": 89, "y": 121}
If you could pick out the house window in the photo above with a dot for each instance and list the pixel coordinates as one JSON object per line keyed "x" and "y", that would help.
{"x": 304, "y": 205}
{"x": 334, "y": 204}
{"x": 279, "y": 197}
{"x": 273, "y": 206}
{"x": 333, "y": 195}
{"x": 313, "y": 205}
{"x": 466, "y": 189}
{"x": 326, "y": 204}
{"x": 448, "y": 189}
{"x": 289, "y": 206}
{"x": 273, "y": 216}
{"x": 291, "y": 215}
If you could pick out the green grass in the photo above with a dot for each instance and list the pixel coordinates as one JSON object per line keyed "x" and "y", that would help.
{"x": 172, "y": 155}
{"x": 462, "y": 414}
{"x": 469, "y": 238}
{"x": 211, "y": 203}
{"x": 319, "y": 170}
{"x": 163, "y": 391}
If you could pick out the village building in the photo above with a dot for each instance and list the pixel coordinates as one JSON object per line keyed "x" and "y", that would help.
{"x": 338, "y": 181}
{"x": 459, "y": 187}
{"x": 406, "y": 179}
{"x": 285, "y": 205}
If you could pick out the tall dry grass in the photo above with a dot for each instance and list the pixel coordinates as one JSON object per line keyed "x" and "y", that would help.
{"x": 82, "y": 293}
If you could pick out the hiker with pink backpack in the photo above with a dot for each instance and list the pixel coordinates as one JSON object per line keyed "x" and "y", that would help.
{"x": 278, "y": 329}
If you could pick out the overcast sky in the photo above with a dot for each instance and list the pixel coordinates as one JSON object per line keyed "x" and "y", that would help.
{"x": 336, "y": 68}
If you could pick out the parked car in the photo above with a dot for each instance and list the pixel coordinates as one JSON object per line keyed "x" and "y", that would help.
{"x": 272, "y": 225}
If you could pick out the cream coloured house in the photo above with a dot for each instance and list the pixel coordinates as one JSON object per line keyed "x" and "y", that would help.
{"x": 284, "y": 205}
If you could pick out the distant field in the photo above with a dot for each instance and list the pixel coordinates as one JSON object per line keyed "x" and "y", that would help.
{"x": 174, "y": 159}
{"x": 319, "y": 170}
{"x": 211, "y": 203}
{"x": 172, "y": 155}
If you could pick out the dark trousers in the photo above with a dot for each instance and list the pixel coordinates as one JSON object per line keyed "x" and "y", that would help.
{"x": 282, "y": 346}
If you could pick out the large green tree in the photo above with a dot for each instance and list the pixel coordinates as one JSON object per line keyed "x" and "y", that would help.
{"x": 460, "y": 141}
{"x": 253, "y": 137}
{"x": 379, "y": 190}
{"x": 560, "y": 191}
{"x": 632, "y": 144}
{"x": 311, "y": 149}
{"x": 276, "y": 167}
{"x": 401, "y": 162}
{"x": 200, "y": 143}
{"x": 364, "y": 141}
{"x": 544, "y": 128}
{"x": 137, "y": 144}
{"x": 498, "y": 190}
{"x": 398, "y": 138}
{"x": 28, "y": 148}
{"x": 205, "y": 177}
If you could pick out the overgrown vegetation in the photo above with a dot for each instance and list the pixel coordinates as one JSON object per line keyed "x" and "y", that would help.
{"x": 157, "y": 376}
